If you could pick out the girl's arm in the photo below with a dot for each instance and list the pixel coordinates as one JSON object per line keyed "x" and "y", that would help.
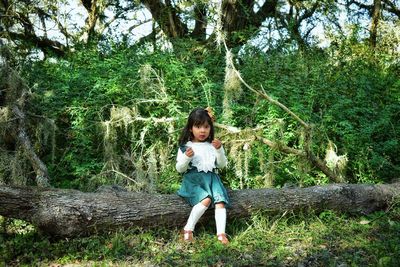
{"x": 222, "y": 161}
{"x": 182, "y": 162}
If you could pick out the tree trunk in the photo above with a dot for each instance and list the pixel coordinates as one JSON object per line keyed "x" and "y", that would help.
{"x": 167, "y": 17}
{"x": 200, "y": 15}
{"x": 376, "y": 11}
{"x": 64, "y": 213}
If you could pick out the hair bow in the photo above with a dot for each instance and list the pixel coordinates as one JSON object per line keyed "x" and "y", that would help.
{"x": 210, "y": 113}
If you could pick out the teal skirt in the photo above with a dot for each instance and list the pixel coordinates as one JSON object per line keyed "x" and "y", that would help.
{"x": 196, "y": 186}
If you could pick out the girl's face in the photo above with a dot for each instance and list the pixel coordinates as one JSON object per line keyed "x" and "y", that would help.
{"x": 200, "y": 132}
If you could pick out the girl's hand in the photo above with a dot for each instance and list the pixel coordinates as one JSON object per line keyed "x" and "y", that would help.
{"x": 189, "y": 152}
{"x": 216, "y": 143}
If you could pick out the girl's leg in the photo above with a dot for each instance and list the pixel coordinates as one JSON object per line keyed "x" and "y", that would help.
{"x": 220, "y": 217}
{"x": 220, "y": 221}
{"x": 196, "y": 213}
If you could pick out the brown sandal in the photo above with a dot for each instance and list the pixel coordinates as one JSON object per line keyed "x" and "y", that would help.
{"x": 223, "y": 239}
{"x": 187, "y": 235}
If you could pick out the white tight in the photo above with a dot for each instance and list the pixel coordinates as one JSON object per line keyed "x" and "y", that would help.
{"x": 198, "y": 211}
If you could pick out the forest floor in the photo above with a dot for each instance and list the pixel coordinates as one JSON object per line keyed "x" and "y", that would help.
{"x": 306, "y": 239}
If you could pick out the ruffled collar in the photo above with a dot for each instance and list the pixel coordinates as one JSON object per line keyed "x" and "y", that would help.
{"x": 204, "y": 155}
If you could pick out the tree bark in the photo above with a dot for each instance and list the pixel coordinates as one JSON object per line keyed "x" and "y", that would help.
{"x": 200, "y": 15}
{"x": 376, "y": 11}
{"x": 167, "y": 17}
{"x": 240, "y": 16}
{"x": 68, "y": 213}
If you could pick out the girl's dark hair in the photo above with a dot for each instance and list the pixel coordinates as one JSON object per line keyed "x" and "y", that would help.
{"x": 197, "y": 117}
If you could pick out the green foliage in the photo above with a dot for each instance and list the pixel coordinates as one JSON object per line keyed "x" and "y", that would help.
{"x": 103, "y": 104}
{"x": 348, "y": 94}
{"x": 80, "y": 92}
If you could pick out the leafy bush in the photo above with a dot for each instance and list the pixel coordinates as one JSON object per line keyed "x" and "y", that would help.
{"x": 104, "y": 104}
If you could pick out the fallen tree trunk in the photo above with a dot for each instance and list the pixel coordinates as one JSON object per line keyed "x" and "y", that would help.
{"x": 66, "y": 213}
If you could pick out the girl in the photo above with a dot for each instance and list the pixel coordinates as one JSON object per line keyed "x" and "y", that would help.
{"x": 198, "y": 157}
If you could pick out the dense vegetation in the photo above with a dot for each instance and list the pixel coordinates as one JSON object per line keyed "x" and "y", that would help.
{"x": 102, "y": 102}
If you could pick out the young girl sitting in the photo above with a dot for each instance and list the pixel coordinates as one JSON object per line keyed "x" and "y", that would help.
{"x": 198, "y": 157}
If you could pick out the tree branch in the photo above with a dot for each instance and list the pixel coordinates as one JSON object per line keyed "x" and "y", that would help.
{"x": 314, "y": 160}
{"x": 42, "y": 176}
{"x": 268, "y": 9}
{"x": 361, "y": 5}
{"x": 391, "y": 7}
{"x": 166, "y": 16}
{"x": 43, "y": 44}
{"x": 307, "y": 127}
{"x": 17, "y": 95}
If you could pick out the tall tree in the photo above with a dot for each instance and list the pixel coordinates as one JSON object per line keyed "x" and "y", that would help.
{"x": 94, "y": 9}
{"x": 26, "y": 25}
{"x": 292, "y": 20}
{"x": 18, "y": 27}
{"x": 379, "y": 10}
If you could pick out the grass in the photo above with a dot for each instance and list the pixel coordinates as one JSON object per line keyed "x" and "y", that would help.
{"x": 307, "y": 239}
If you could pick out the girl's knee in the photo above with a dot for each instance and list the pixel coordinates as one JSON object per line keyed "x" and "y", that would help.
{"x": 206, "y": 202}
{"x": 220, "y": 205}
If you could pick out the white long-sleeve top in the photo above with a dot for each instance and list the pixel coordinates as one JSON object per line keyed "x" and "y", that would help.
{"x": 206, "y": 157}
